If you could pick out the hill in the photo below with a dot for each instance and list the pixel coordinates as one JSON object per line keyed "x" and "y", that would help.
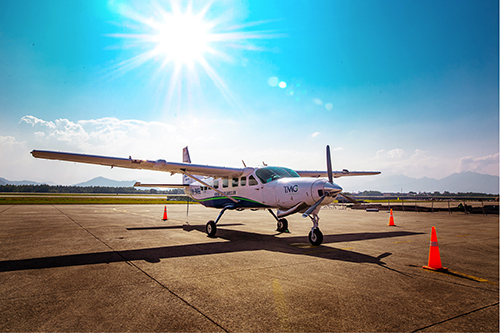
{"x": 455, "y": 183}
{"x": 101, "y": 181}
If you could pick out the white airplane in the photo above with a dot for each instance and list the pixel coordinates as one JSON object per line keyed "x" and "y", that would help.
{"x": 266, "y": 187}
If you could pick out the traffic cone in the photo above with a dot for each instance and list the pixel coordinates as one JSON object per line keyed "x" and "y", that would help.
{"x": 434, "y": 257}
{"x": 165, "y": 214}
{"x": 391, "y": 220}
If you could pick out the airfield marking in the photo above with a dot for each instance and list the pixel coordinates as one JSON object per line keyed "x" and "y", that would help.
{"x": 281, "y": 307}
{"x": 449, "y": 272}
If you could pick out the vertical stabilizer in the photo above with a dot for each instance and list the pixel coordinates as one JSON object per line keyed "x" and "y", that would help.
{"x": 186, "y": 159}
{"x": 185, "y": 155}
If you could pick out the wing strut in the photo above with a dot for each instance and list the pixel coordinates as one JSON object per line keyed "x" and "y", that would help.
{"x": 200, "y": 181}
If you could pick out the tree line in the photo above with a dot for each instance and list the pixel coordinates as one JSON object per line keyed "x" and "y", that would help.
{"x": 44, "y": 188}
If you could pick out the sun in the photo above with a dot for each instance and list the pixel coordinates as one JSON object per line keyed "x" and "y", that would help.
{"x": 182, "y": 38}
{"x": 184, "y": 43}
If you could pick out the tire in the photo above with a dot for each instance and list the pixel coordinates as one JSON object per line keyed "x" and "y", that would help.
{"x": 315, "y": 237}
{"x": 211, "y": 229}
{"x": 282, "y": 225}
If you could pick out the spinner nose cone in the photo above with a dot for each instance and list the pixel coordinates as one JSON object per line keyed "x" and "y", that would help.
{"x": 332, "y": 189}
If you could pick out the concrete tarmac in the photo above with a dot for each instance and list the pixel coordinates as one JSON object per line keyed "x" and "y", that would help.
{"x": 114, "y": 268}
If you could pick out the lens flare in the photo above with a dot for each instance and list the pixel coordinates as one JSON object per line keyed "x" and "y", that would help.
{"x": 184, "y": 44}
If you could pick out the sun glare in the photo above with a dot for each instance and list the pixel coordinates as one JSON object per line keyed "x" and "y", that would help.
{"x": 183, "y": 41}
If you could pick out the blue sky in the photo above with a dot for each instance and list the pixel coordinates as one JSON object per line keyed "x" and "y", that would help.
{"x": 404, "y": 87}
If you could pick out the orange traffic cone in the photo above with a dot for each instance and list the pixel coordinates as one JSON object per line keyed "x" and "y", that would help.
{"x": 434, "y": 257}
{"x": 391, "y": 220}
{"x": 165, "y": 214}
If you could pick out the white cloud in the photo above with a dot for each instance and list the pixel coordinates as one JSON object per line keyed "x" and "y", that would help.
{"x": 315, "y": 134}
{"x": 485, "y": 164}
{"x": 417, "y": 164}
{"x": 122, "y": 138}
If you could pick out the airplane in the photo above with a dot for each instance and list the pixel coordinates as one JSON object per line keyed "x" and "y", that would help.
{"x": 264, "y": 187}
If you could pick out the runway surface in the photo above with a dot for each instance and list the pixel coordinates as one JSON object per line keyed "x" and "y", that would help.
{"x": 121, "y": 268}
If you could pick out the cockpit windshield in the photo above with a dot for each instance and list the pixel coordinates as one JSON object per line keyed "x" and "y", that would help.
{"x": 268, "y": 174}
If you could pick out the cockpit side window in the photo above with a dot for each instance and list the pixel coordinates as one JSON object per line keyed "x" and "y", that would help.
{"x": 268, "y": 174}
{"x": 252, "y": 181}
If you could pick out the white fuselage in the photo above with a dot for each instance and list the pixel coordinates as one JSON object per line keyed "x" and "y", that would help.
{"x": 261, "y": 189}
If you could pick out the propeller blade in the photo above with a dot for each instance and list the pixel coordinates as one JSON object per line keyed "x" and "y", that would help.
{"x": 350, "y": 199}
{"x": 329, "y": 164}
{"x": 314, "y": 206}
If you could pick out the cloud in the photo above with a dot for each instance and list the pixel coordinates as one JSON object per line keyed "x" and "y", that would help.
{"x": 120, "y": 138}
{"x": 14, "y": 153}
{"x": 315, "y": 134}
{"x": 396, "y": 153}
{"x": 485, "y": 164}
{"x": 417, "y": 164}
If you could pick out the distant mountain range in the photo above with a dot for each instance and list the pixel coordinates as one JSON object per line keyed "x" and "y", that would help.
{"x": 457, "y": 182}
{"x": 101, "y": 181}
{"x": 4, "y": 181}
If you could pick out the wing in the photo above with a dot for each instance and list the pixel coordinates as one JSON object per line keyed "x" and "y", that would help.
{"x": 336, "y": 174}
{"x": 130, "y": 163}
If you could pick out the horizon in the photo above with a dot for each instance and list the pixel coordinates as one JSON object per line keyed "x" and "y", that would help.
{"x": 405, "y": 88}
{"x": 356, "y": 185}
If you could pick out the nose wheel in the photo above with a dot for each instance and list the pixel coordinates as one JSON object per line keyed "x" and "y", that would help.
{"x": 315, "y": 237}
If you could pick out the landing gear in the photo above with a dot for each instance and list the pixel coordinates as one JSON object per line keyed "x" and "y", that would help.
{"x": 211, "y": 228}
{"x": 282, "y": 225}
{"x": 315, "y": 237}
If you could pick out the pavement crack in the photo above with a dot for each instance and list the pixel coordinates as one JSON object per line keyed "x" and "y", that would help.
{"x": 455, "y": 317}
{"x": 144, "y": 272}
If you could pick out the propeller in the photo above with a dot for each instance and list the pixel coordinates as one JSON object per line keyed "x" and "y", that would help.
{"x": 328, "y": 185}
{"x": 350, "y": 199}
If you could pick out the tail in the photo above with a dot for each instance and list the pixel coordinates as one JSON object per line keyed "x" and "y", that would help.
{"x": 186, "y": 159}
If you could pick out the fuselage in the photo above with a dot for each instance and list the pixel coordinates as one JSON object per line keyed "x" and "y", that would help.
{"x": 263, "y": 187}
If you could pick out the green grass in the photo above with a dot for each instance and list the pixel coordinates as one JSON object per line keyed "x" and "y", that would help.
{"x": 76, "y": 200}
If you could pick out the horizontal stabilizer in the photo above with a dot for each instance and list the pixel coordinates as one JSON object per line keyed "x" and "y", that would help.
{"x": 138, "y": 184}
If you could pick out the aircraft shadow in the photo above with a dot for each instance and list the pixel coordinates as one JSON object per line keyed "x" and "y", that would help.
{"x": 239, "y": 241}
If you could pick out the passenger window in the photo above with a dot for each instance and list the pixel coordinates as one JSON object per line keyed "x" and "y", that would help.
{"x": 235, "y": 182}
{"x": 243, "y": 181}
{"x": 252, "y": 181}
{"x": 216, "y": 184}
{"x": 225, "y": 183}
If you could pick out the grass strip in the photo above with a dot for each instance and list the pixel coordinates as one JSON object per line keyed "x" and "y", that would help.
{"x": 83, "y": 201}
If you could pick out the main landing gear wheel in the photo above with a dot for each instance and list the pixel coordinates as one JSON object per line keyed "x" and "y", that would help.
{"x": 211, "y": 228}
{"x": 282, "y": 225}
{"x": 315, "y": 237}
